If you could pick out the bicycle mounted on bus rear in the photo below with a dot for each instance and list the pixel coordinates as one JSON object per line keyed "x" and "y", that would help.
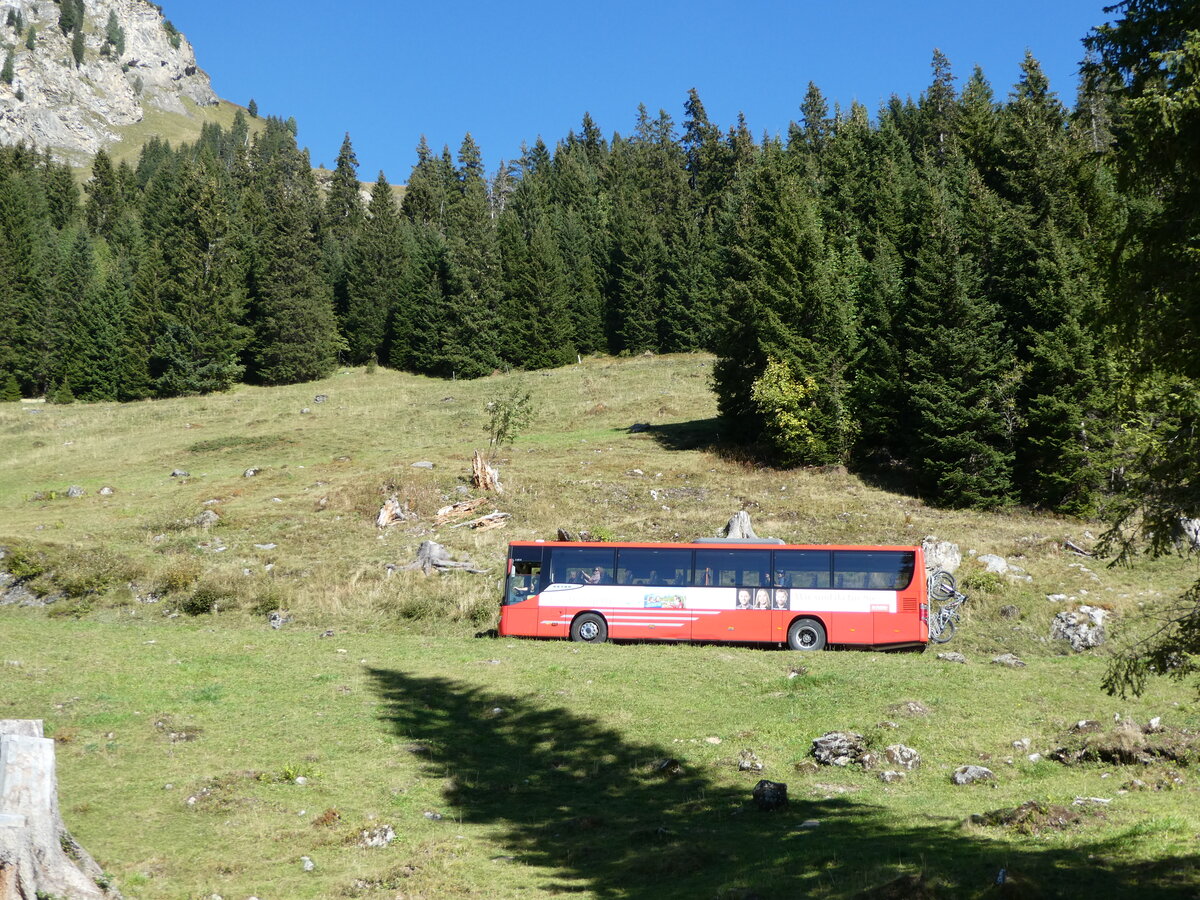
{"x": 944, "y": 622}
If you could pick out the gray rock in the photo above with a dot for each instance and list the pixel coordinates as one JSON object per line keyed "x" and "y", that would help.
{"x": 320, "y": 398}
{"x": 838, "y": 748}
{"x": 207, "y": 518}
{"x": 424, "y": 464}
{"x": 251, "y": 472}
{"x": 1010, "y": 660}
{"x": 994, "y": 563}
{"x": 1082, "y": 629}
{"x": 264, "y": 546}
{"x": 305, "y": 411}
{"x": 75, "y": 491}
{"x": 1010, "y": 612}
{"x": 890, "y": 777}
{"x": 749, "y": 762}
{"x": 952, "y": 656}
{"x": 106, "y": 491}
{"x": 180, "y": 473}
{"x": 307, "y": 864}
{"x": 941, "y": 555}
{"x": 278, "y": 618}
{"x": 902, "y": 757}
{"x": 972, "y": 774}
{"x": 770, "y": 795}
{"x": 377, "y": 837}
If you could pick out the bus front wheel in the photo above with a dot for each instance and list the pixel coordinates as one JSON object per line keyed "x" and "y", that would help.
{"x": 589, "y": 628}
{"x": 806, "y": 634}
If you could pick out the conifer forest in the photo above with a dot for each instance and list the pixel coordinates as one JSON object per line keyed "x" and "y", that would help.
{"x": 981, "y": 294}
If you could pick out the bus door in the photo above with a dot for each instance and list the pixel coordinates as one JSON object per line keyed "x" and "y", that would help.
{"x": 519, "y": 613}
{"x": 733, "y": 595}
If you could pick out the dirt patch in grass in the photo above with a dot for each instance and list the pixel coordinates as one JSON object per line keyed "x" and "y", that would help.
{"x": 1033, "y": 817}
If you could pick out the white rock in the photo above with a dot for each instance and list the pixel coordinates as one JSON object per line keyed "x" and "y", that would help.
{"x": 994, "y": 563}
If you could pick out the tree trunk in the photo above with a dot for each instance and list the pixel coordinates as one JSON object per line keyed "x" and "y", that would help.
{"x": 38, "y": 856}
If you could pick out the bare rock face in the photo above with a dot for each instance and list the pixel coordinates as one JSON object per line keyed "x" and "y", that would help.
{"x": 72, "y": 109}
{"x": 941, "y": 555}
{"x": 1082, "y": 628}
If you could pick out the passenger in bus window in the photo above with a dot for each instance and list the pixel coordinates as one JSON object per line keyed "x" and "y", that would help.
{"x": 743, "y": 598}
{"x": 762, "y": 599}
{"x": 782, "y": 579}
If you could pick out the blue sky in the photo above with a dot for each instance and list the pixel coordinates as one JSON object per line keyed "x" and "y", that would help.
{"x": 388, "y": 72}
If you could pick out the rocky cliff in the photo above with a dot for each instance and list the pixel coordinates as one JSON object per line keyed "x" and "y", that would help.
{"x": 75, "y": 108}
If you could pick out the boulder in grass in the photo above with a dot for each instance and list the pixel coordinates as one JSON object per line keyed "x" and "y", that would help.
{"x": 838, "y": 748}
{"x": 770, "y": 795}
{"x": 972, "y": 775}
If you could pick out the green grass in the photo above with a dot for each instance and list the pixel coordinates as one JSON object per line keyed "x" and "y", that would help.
{"x": 556, "y": 792}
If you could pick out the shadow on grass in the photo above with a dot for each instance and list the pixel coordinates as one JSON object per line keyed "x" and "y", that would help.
{"x": 698, "y": 434}
{"x": 585, "y": 806}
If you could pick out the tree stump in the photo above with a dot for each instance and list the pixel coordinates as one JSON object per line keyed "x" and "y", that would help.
{"x": 38, "y": 856}
{"x": 432, "y": 555}
{"x": 739, "y": 527}
{"x": 484, "y": 476}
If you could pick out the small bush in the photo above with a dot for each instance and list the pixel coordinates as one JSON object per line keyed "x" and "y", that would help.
{"x": 983, "y": 583}
{"x": 24, "y": 563}
{"x": 179, "y": 576}
{"x": 206, "y": 598}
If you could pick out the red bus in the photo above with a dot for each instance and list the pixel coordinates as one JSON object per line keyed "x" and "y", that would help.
{"x": 804, "y": 596}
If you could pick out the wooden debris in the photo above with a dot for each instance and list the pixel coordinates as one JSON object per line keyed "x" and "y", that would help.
{"x": 431, "y": 555}
{"x": 458, "y": 510}
{"x": 1068, "y": 544}
{"x": 394, "y": 511}
{"x": 494, "y": 519}
{"x": 484, "y": 476}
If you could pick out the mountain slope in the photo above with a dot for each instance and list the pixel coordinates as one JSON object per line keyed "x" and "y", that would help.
{"x": 147, "y": 82}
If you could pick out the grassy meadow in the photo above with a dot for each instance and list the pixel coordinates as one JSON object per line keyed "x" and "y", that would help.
{"x": 210, "y": 754}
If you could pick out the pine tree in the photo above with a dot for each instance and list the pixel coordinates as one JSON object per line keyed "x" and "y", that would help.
{"x": 77, "y": 46}
{"x": 955, "y": 359}
{"x": 780, "y": 375}
{"x": 375, "y": 277}
{"x": 341, "y": 222}
{"x": 7, "y": 71}
{"x": 291, "y": 307}
{"x": 105, "y": 203}
{"x": 252, "y": 108}
{"x": 31, "y": 37}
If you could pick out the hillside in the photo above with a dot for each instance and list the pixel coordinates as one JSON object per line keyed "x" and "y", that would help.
{"x": 135, "y": 76}
{"x": 214, "y": 754}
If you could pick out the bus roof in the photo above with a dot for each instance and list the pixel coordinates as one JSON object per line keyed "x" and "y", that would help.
{"x": 710, "y": 545}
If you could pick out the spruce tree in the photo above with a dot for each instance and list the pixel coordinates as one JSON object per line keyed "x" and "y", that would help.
{"x": 291, "y": 305}
{"x": 781, "y": 372}
{"x": 7, "y": 72}
{"x": 375, "y": 277}
{"x": 77, "y": 46}
{"x": 252, "y": 108}
{"x": 341, "y": 222}
{"x": 955, "y": 358}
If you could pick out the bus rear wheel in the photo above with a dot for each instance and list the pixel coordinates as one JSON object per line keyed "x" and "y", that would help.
{"x": 589, "y": 628}
{"x": 806, "y": 634}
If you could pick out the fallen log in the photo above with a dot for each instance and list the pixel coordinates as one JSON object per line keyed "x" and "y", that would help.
{"x": 457, "y": 510}
{"x": 492, "y": 520}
